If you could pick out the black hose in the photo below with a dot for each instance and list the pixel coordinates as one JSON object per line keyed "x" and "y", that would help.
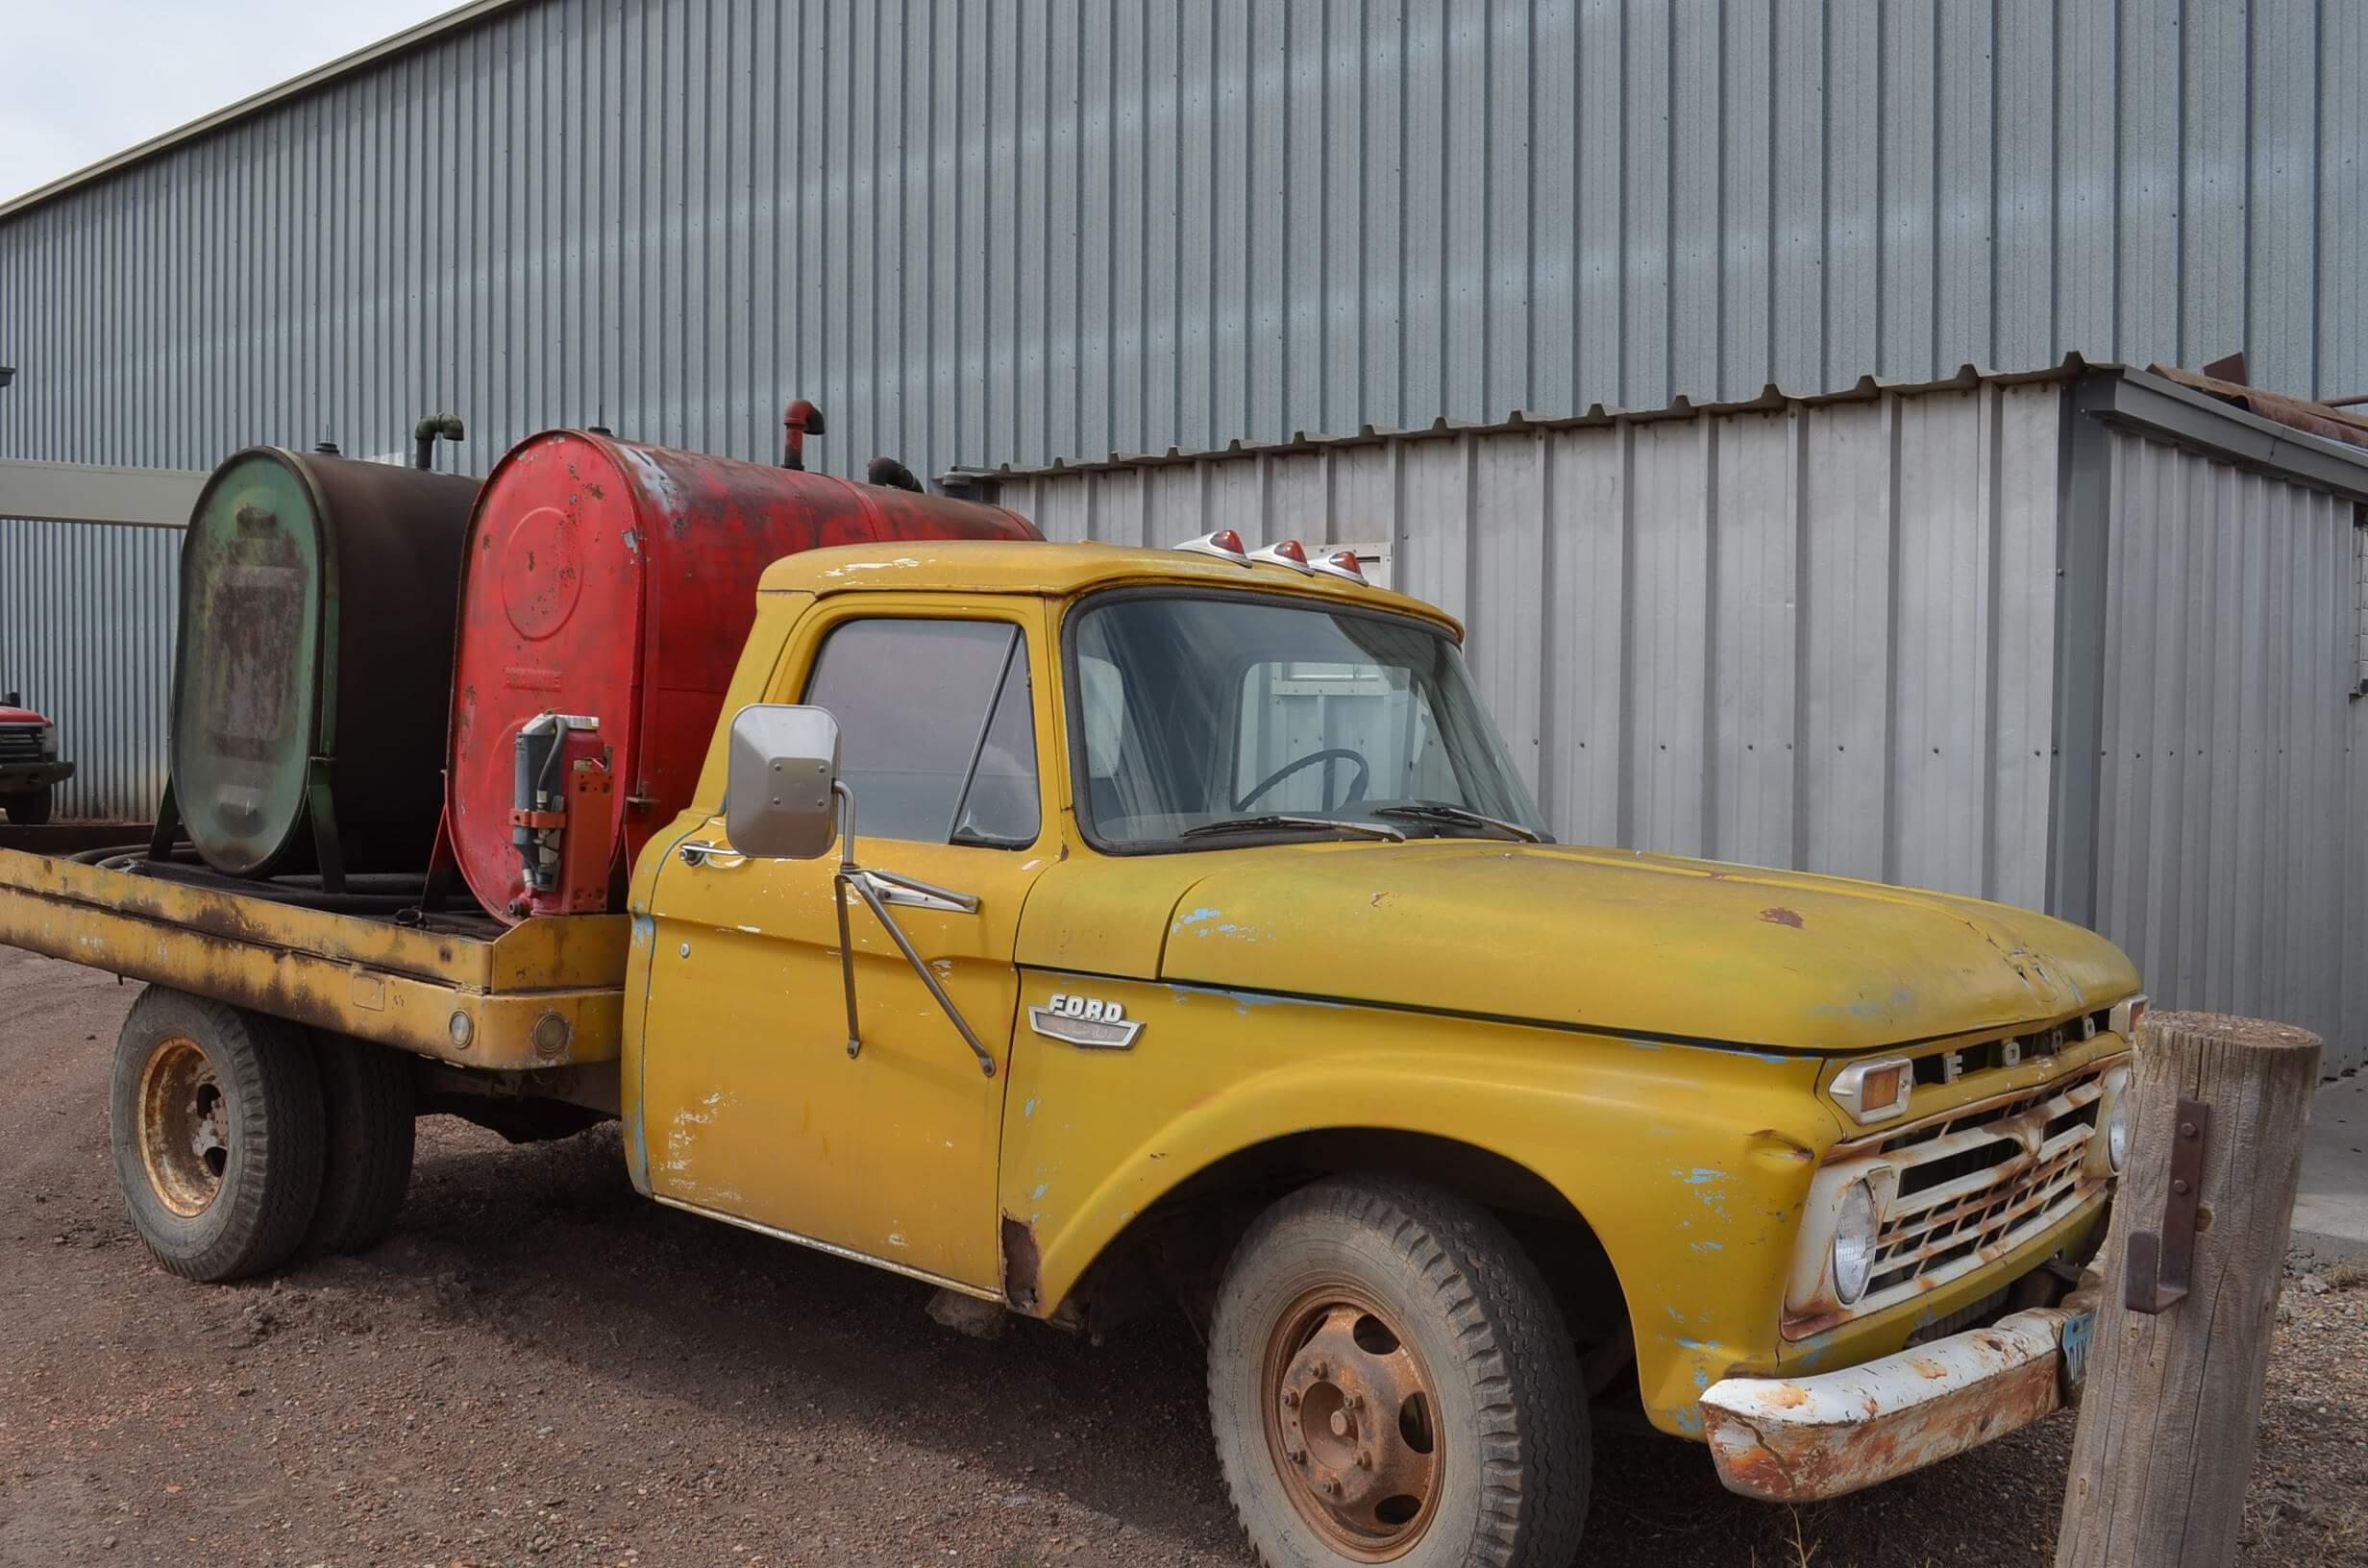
{"x": 376, "y": 892}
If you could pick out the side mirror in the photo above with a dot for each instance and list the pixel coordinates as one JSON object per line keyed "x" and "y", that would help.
{"x": 779, "y": 800}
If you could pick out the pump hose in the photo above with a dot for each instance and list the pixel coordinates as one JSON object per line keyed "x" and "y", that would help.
{"x": 370, "y": 893}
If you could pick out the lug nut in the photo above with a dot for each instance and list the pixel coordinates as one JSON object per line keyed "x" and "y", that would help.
{"x": 1365, "y": 1461}
{"x": 1299, "y": 1456}
{"x": 1331, "y": 1487}
{"x": 1291, "y": 1399}
{"x": 1356, "y": 1402}
{"x": 1322, "y": 1369}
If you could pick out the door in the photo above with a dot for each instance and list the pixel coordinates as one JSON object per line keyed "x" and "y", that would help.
{"x": 754, "y": 1107}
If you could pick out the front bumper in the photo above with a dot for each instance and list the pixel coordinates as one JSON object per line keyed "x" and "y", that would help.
{"x": 1801, "y": 1439}
{"x": 16, "y": 776}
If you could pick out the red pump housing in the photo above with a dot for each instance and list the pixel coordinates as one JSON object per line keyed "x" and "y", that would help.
{"x": 614, "y": 582}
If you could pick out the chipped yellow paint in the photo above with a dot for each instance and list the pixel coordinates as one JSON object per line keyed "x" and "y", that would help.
{"x": 895, "y": 1150}
{"x": 1650, "y": 1036}
{"x": 397, "y": 985}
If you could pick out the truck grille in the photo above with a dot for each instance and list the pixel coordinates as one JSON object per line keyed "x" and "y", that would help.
{"x": 1975, "y": 1186}
{"x": 20, "y": 743}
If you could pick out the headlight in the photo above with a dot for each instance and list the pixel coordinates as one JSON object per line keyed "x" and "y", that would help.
{"x": 1854, "y": 1243}
{"x": 49, "y": 740}
{"x": 2113, "y": 1137}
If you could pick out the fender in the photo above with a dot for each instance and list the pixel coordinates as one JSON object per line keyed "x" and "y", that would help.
{"x": 1700, "y": 1236}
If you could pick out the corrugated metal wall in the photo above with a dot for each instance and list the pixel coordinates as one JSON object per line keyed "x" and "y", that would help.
{"x": 2232, "y": 834}
{"x": 1820, "y": 637}
{"x": 997, "y": 231}
{"x": 87, "y": 615}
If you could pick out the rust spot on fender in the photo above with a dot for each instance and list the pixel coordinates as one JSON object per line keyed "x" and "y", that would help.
{"x": 1022, "y": 1266}
{"x": 1781, "y": 916}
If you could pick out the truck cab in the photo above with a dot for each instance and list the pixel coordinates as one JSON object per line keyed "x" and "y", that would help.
{"x": 1081, "y": 929}
{"x": 30, "y": 767}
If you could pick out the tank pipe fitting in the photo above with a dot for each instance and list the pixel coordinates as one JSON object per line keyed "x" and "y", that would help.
{"x": 800, "y": 420}
{"x": 424, "y": 437}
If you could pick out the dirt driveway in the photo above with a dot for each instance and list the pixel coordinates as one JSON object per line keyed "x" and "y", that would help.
{"x": 541, "y": 1367}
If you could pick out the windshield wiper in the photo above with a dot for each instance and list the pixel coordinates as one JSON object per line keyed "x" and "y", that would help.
{"x": 1273, "y": 820}
{"x": 1432, "y": 811}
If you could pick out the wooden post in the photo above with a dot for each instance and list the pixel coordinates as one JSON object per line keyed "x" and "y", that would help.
{"x": 2173, "y": 1399}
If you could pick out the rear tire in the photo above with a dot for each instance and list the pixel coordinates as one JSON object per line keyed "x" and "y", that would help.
{"x": 30, "y": 809}
{"x": 1390, "y": 1381}
{"x": 216, "y": 1122}
{"x": 369, "y": 1117}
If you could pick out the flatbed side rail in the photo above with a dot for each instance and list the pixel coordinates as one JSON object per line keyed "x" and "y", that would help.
{"x": 545, "y": 994}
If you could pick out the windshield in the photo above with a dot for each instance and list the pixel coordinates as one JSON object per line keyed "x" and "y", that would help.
{"x": 1204, "y": 717}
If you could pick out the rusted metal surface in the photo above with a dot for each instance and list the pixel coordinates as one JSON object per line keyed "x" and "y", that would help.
{"x": 472, "y": 1002}
{"x": 2160, "y": 1260}
{"x": 315, "y": 660}
{"x": 1351, "y": 1423}
{"x": 1801, "y": 1439}
{"x": 2318, "y": 418}
{"x": 1933, "y": 1234}
{"x": 617, "y": 581}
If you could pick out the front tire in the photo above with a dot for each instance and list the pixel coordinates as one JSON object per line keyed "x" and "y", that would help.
{"x": 1390, "y": 1381}
{"x": 216, "y": 1122}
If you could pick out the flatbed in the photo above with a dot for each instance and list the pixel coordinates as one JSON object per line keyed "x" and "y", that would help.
{"x": 545, "y": 994}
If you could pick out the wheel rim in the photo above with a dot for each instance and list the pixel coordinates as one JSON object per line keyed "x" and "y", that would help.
{"x": 184, "y": 1126}
{"x": 1352, "y": 1422}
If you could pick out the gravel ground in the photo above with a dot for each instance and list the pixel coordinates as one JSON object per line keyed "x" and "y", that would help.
{"x": 542, "y": 1368}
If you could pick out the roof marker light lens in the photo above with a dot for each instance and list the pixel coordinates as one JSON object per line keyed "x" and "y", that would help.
{"x": 1224, "y": 544}
{"x": 1289, "y": 553}
{"x": 1340, "y": 563}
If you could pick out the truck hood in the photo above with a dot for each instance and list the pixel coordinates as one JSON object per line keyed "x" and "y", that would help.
{"x": 1649, "y": 947}
{"x": 20, "y": 716}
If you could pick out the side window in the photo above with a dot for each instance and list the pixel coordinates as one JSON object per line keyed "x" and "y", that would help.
{"x": 937, "y": 737}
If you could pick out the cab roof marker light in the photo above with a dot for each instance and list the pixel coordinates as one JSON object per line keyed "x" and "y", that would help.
{"x": 1340, "y": 563}
{"x": 1289, "y": 553}
{"x": 1224, "y": 544}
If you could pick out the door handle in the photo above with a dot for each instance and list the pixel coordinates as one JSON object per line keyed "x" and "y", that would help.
{"x": 699, "y": 852}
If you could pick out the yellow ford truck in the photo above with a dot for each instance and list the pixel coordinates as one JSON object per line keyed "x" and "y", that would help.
{"x": 1085, "y": 931}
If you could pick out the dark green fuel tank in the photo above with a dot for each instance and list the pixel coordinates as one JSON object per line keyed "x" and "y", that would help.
{"x": 313, "y": 668}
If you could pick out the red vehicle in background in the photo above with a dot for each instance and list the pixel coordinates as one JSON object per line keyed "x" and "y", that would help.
{"x": 28, "y": 764}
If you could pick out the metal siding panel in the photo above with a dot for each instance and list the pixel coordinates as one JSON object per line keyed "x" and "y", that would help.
{"x": 1820, "y": 636}
{"x": 103, "y": 671}
{"x": 1847, "y": 539}
{"x": 1754, "y": 639}
{"x": 2229, "y": 851}
{"x": 1006, "y": 232}
{"x": 2340, "y": 341}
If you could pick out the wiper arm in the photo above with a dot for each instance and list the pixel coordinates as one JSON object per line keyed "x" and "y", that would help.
{"x": 1273, "y": 821}
{"x": 1435, "y": 812}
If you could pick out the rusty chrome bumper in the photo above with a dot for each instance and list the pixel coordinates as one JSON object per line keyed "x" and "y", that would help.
{"x": 1800, "y": 1439}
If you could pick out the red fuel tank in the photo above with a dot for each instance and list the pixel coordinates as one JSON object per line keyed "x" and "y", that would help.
{"x": 614, "y": 582}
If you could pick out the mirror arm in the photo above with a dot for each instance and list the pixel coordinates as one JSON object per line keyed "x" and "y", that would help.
{"x": 851, "y": 876}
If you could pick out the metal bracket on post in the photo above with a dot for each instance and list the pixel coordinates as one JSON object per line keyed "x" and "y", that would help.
{"x": 2163, "y": 1262}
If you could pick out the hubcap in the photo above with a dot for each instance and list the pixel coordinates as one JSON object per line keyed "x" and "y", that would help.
{"x": 1351, "y": 1417}
{"x": 184, "y": 1126}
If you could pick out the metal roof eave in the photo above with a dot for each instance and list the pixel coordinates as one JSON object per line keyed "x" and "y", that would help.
{"x": 2136, "y": 400}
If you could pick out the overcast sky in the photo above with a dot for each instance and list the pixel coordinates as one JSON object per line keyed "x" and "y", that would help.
{"x": 84, "y": 79}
